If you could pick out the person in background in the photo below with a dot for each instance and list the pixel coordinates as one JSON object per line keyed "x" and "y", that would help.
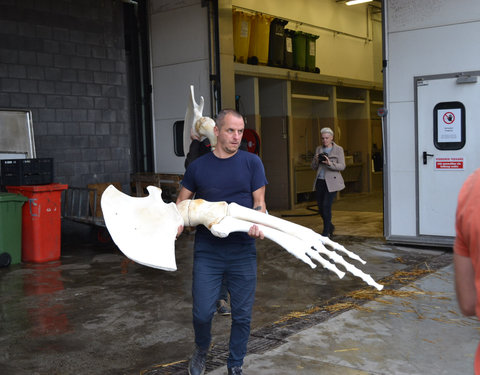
{"x": 328, "y": 161}
{"x": 199, "y": 148}
{"x": 466, "y": 249}
{"x": 231, "y": 175}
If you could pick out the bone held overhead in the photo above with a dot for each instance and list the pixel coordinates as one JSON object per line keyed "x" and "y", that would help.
{"x": 192, "y": 115}
{"x": 204, "y": 127}
{"x": 195, "y": 125}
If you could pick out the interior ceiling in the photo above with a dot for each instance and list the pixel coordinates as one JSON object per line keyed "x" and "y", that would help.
{"x": 375, "y": 3}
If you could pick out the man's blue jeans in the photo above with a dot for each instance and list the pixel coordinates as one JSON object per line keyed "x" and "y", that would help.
{"x": 238, "y": 264}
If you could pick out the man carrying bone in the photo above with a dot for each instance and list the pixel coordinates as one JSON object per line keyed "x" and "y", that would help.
{"x": 199, "y": 148}
{"x": 231, "y": 175}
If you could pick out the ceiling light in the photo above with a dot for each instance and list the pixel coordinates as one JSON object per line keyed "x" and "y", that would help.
{"x": 355, "y": 2}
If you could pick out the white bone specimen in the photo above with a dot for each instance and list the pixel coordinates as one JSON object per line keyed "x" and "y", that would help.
{"x": 204, "y": 129}
{"x": 144, "y": 229}
{"x": 195, "y": 125}
{"x": 199, "y": 211}
{"x": 140, "y": 227}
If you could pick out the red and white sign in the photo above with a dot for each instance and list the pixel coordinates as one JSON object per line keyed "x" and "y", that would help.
{"x": 449, "y": 163}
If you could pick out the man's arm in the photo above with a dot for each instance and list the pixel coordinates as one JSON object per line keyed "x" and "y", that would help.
{"x": 259, "y": 200}
{"x": 184, "y": 194}
{"x": 258, "y": 205}
{"x": 465, "y": 284}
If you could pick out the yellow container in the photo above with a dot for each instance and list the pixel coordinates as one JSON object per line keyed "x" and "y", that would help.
{"x": 258, "y": 50}
{"x": 242, "y": 28}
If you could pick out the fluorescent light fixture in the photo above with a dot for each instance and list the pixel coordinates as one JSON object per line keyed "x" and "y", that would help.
{"x": 355, "y": 2}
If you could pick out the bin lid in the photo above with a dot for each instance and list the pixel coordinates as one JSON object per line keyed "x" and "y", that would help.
{"x": 312, "y": 36}
{"x": 12, "y": 197}
{"x": 289, "y": 32}
{"x": 279, "y": 21}
{"x": 38, "y": 188}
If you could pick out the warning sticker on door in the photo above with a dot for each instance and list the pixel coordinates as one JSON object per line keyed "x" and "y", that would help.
{"x": 449, "y": 125}
{"x": 449, "y": 163}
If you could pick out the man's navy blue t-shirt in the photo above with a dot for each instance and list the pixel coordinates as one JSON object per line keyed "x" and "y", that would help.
{"x": 231, "y": 180}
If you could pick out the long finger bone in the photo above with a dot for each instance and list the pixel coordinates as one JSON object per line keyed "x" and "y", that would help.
{"x": 296, "y": 239}
{"x": 288, "y": 227}
{"x": 313, "y": 239}
{"x": 292, "y": 244}
{"x": 349, "y": 267}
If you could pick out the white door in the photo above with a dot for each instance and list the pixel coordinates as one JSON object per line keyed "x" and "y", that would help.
{"x": 448, "y": 127}
{"x": 180, "y": 57}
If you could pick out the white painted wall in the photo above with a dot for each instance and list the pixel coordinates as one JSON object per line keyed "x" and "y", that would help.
{"x": 424, "y": 37}
{"x": 179, "y": 53}
{"x": 337, "y": 55}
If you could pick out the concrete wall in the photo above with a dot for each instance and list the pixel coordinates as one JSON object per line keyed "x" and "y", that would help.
{"x": 64, "y": 60}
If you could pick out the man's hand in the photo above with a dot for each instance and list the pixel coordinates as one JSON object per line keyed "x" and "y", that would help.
{"x": 194, "y": 137}
{"x": 179, "y": 231}
{"x": 255, "y": 232}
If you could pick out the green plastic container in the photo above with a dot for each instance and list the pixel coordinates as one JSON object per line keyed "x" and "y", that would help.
{"x": 311, "y": 53}
{"x": 299, "y": 50}
{"x": 11, "y": 225}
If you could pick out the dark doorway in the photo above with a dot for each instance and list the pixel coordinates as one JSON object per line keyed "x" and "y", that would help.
{"x": 139, "y": 84}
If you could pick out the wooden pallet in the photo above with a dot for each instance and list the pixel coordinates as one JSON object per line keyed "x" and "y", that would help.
{"x": 96, "y": 191}
{"x": 169, "y": 183}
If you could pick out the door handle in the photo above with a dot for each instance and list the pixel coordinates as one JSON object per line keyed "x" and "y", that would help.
{"x": 425, "y": 155}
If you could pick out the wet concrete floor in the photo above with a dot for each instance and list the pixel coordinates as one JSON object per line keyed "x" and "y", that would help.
{"x": 415, "y": 330}
{"x": 92, "y": 312}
